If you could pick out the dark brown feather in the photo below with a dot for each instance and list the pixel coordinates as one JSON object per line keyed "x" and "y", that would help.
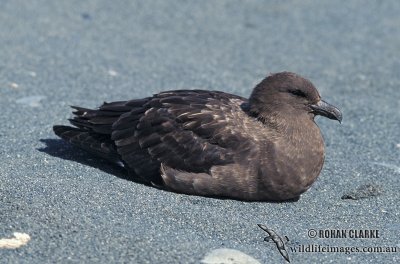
{"x": 212, "y": 143}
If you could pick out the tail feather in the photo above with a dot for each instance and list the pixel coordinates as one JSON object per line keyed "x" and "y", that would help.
{"x": 80, "y": 111}
{"x": 100, "y": 145}
{"x": 99, "y": 121}
{"x": 93, "y": 127}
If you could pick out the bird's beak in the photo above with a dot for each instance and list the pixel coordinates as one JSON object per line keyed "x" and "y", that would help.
{"x": 327, "y": 110}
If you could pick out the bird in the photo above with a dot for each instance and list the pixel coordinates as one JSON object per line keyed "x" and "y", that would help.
{"x": 267, "y": 147}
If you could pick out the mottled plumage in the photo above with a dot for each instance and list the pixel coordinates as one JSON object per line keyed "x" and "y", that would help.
{"x": 213, "y": 143}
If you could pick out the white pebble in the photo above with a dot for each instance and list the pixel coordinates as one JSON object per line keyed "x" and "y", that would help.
{"x": 228, "y": 256}
{"x": 112, "y": 73}
{"x": 19, "y": 240}
{"x": 32, "y": 73}
{"x": 33, "y": 101}
{"x": 14, "y": 85}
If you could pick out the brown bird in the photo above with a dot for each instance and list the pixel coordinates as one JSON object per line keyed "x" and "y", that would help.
{"x": 212, "y": 143}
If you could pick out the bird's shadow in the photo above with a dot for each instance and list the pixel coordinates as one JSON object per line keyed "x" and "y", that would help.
{"x": 61, "y": 149}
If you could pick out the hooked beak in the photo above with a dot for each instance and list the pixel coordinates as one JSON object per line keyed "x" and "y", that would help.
{"x": 327, "y": 110}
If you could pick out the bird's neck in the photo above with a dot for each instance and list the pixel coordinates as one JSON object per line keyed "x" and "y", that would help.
{"x": 290, "y": 125}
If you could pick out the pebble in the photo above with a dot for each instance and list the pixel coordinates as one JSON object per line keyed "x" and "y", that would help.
{"x": 228, "y": 256}
{"x": 32, "y": 101}
{"x": 19, "y": 240}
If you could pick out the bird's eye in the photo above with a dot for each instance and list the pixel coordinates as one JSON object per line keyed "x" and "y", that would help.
{"x": 297, "y": 92}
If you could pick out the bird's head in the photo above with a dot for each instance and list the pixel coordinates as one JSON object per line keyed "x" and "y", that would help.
{"x": 290, "y": 94}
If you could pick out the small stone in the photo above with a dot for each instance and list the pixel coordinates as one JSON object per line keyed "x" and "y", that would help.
{"x": 112, "y": 73}
{"x": 228, "y": 256}
{"x": 363, "y": 191}
{"x": 19, "y": 240}
{"x": 86, "y": 16}
{"x": 32, "y": 101}
{"x": 32, "y": 73}
{"x": 14, "y": 85}
{"x": 362, "y": 77}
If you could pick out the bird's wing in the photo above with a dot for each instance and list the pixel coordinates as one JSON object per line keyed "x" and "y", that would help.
{"x": 190, "y": 130}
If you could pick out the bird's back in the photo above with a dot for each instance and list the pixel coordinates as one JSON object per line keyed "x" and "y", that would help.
{"x": 189, "y": 130}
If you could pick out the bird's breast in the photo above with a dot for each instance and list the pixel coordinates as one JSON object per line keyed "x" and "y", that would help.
{"x": 292, "y": 162}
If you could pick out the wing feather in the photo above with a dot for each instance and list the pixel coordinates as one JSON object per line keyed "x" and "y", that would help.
{"x": 187, "y": 130}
